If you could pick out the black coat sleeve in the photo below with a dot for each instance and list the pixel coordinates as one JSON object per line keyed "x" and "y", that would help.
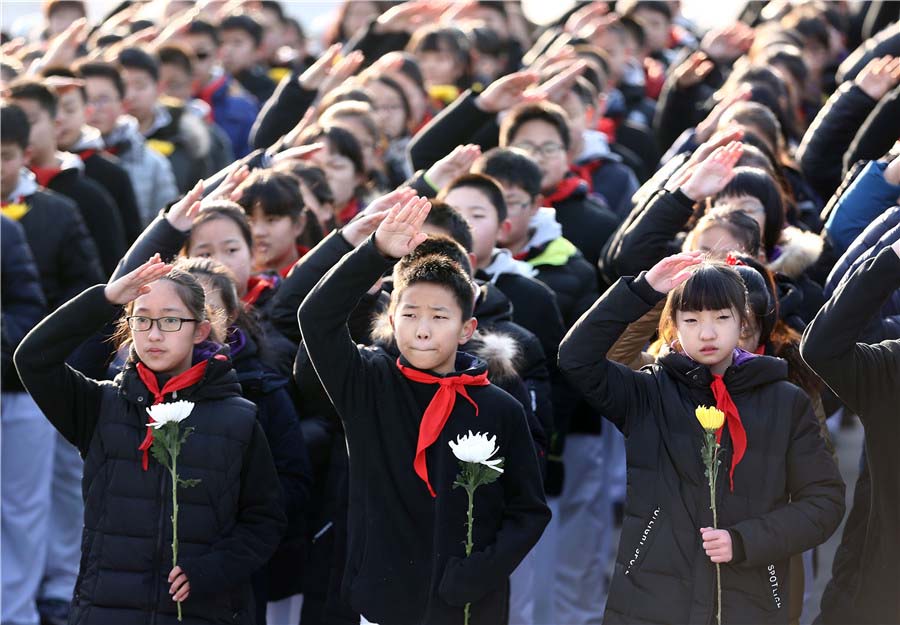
{"x": 70, "y": 400}
{"x": 821, "y": 153}
{"x": 617, "y": 392}
{"x": 323, "y": 318}
{"x": 646, "y": 240}
{"x": 877, "y": 134}
{"x": 301, "y": 280}
{"x": 281, "y": 112}
{"x": 858, "y": 373}
{"x": 457, "y": 124}
{"x": 257, "y": 532}
{"x": 23, "y": 301}
{"x": 817, "y": 497}
{"x": 374, "y": 44}
{"x": 103, "y": 221}
{"x": 79, "y": 262}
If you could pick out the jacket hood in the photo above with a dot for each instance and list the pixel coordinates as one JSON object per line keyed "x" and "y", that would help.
{"x": 126, "y": 135}
{"x": 596, "y": 146}
{"x": 218, "y": 382}
{"x": 544, "y": 228}
{"x": 26, "y": 186}
{"x": 498, "y": 351}
{"x": 797, "y": 252}
{"x": 492, "y": 305}
{"x": 69, "y": 161}
{"x": 89, "y": 139}
{"x": 502, "y": 262}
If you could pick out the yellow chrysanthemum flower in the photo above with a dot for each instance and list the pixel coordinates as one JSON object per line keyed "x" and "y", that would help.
{"x": 710, "y": 418}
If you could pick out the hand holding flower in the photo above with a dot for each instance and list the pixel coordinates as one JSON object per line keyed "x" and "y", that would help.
{"x": 717, "y": 545}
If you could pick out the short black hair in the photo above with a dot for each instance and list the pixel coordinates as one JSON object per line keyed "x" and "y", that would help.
{"x": 542, "y": 111}
{"x": 631, "y": 27}
{"x": 340, "y": 140}
{"x": 739, "y": 225}
{"x": 99, "y": 69}
{"x": 135, "y": 58}
{"x": 314, "y": 179}
{"x": 202, "y": 27}
{"x": 447, "y": 218}
{"x": 753, "y": 182}
{"x": 276, "y": 193}
{"x": 439, "y": 270}
{"x": 37, "y": 91}
{"x": 14, "y": 122}
{"x": 788, "y": 56}
{"x": 628, "y": 7}
{"x": 177, "y": 55}
{"x": 443, "y": 245}
{"x": 510, "y": 168}
{"x": 488, "y": 187}
{"x": 53, "y": 6}
{"x": 275, "y": 7}
{"x": 245, "y": 23}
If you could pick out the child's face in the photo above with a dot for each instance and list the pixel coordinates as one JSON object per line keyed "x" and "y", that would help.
{"x": 70, "y": 118}
{"x": 166, "y": 352}
{"x": 520, "y": 208}
{"x": 542, "y": 142}
{"x": 221, "y": 239}
{"x": 476, "y": 207}
{"x": 274, "y": 239}
{"x": 439, "y": 67}
{"x": 205, "y": 53}
{"x": 388, "y": 107}
{"x": 238, "y": 51}
{"x": 105, "y": 104}
{"x": 175, "y": 82}
{"x": 717, "y": 239}
{"x": 428, "y": 326}
{"x": 42, "y": 140}
{"x": 141, "y": 92}
{"x": 341, "y": 175}
{"x": 709, "y": 336}
{"x": 656, "y": 29}
{"x": 12, "y": 160}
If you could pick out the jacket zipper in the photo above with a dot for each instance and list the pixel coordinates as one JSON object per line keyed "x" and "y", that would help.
{"x": 157, "y": 556}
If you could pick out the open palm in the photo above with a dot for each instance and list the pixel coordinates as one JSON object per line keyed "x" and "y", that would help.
{"x": 714, "y": 173}
{"x": 401, "y": 231}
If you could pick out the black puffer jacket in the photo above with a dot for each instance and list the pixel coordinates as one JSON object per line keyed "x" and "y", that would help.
{"x": 229, "y": 524}
{"x": 788, "y": 495}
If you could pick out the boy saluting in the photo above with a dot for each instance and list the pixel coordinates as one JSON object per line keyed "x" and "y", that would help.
{"x": 406, "y": 562}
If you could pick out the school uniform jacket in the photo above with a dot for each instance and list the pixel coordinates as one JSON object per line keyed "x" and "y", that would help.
{"x": 788, "y": 495}
{"x": 229, "y": 524}
{"x": 406, "y": 561}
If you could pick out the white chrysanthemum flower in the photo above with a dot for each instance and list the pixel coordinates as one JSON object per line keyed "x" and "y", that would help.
{"x": 478, "y": 449}
{"x": 173, "y": 412}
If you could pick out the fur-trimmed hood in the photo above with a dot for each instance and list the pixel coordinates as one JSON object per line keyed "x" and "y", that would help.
{"x": 797, "y": 251}
{"x": 499, "y": 350}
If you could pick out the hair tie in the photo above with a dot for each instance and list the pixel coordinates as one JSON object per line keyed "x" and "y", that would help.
{"x": 733, "y": 260}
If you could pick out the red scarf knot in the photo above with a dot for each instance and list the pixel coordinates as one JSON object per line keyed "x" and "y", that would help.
{"x": 732, "y": 421}
{"x": 176, "y": 383}
{"x": 438, "y": 410}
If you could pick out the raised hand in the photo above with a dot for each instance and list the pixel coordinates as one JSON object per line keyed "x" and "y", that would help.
{"x": 132, "y": 285}
{"x": 407, "y": 16}
{"x": 504, "y": 93}
{"x": 722, "y": 138}
{"x": 879, "y": 76}
{"x": 455, "y": 164}
{"x": 316, "y": 73}
{"x": 692, "y": 70}
{"x": 708, "y": 126}
{"x": 587, "y": 15}
{"x": 714, "y": 173}
{"x": 382, "y": 204}
{"x": 181, "y": 214}
{"x": 341, "y": 71}
{"x": 726, "y": 43}
{"x": 556, "y": 88}
{"x": 64, "y": 47}
{"x": 401, "y": 231}
{"x": 299, "y": 153}
{"x": 673, "y": 270}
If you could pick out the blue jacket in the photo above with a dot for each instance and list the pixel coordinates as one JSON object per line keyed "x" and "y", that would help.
{"x": 234, "y": 113}
{"x": 862, "y": 202}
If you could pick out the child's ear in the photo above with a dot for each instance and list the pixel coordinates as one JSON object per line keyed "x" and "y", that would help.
{"x": 468, "y": 329}
{"x": 505, "y": 227}
{"x": 473, "y": 261}
{"x": 201, "y": 331}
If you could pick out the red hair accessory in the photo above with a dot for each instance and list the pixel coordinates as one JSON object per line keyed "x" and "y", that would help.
{"x": 733, "y": 260}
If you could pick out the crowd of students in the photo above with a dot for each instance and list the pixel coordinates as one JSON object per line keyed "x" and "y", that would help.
{"x": 440, "y": 219}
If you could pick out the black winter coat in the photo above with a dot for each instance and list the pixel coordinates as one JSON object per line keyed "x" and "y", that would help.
{"x": 406, "y": 561}
{"x": 867, "y": 379}
{"x": 23, "y": 303}
{"x": 788, "y": 495}
{"x": 101, "y": 216}
{"x": 585, "y": 222}
{"x": 565, "y": 270}
{"x": 105, "y": 170}
{"x": 229, "y": 524}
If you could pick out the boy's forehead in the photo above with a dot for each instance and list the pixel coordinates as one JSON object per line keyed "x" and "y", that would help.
{"x": 428, "y": 295}
{"x": 536, "y": 128}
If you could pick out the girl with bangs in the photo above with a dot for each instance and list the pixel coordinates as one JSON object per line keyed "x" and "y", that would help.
{"x": 780, "y": 492}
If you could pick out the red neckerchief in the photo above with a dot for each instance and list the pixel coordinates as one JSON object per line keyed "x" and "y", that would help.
{"x": 176, "y": 383}
{"x": 733, "y": 421}
{"x": 301, "y": 252}
{"x": 256, "y": 286}
{"x": 760, "y": 350}
{"x": 348, "y": 212}
{"x": 564, "y": 189}
{"x": 207, "y": 92}
{"x": 586, "y": 172}
{"x": 608, "y": 126}
{"x": 425, "y": 119}
{"x": 438, "y": 410}
{"x": 44, "y": 175}
{"x": 86, "y": 154}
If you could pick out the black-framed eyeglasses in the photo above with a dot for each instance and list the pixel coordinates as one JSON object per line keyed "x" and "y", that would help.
{"x": 165, "y": 324}
{"x": 545, "y": 149}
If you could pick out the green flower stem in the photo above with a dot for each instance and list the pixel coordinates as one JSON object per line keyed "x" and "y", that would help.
{"x": 175, "y": 517}
{"x": 470, "y": 492}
